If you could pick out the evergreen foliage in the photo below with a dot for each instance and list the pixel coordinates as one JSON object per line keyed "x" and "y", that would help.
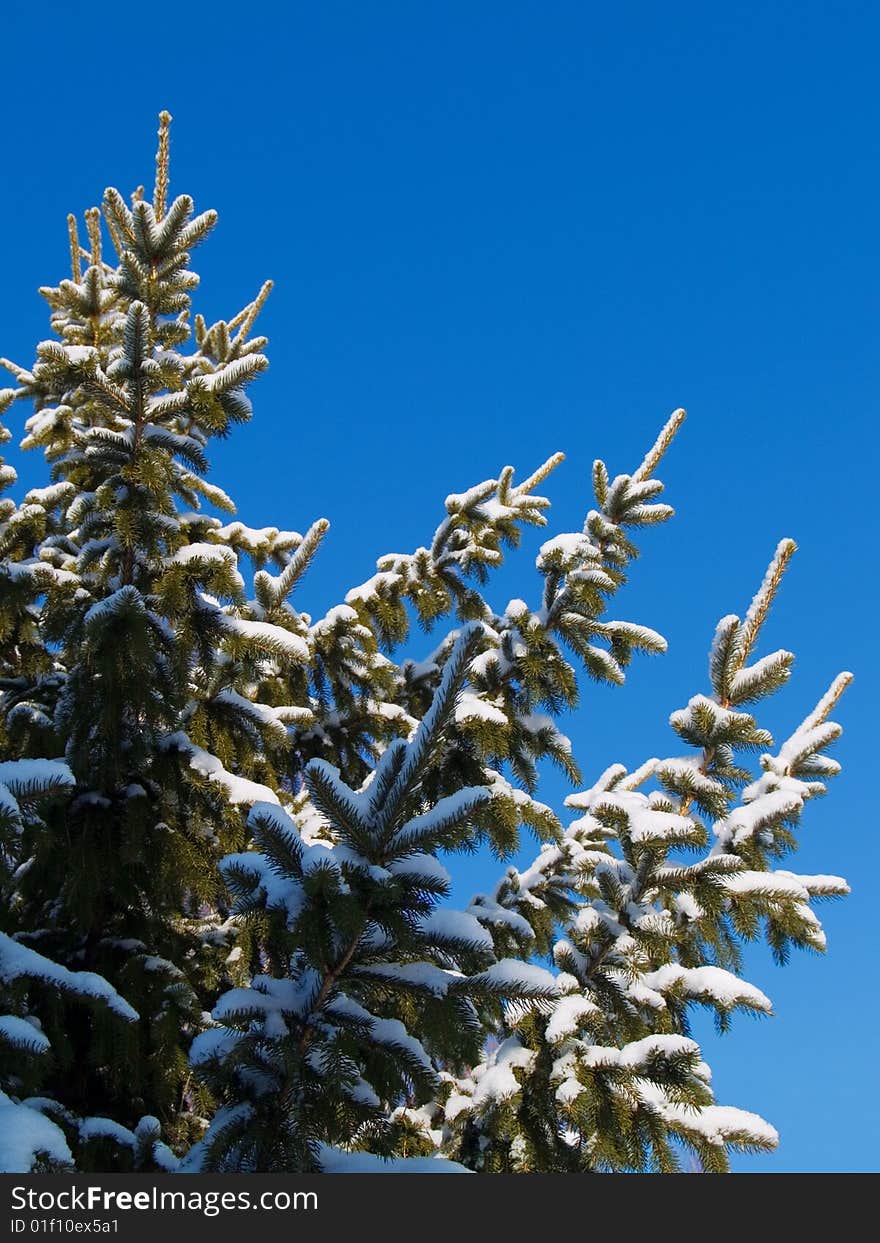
{"x": 225, "y": 827}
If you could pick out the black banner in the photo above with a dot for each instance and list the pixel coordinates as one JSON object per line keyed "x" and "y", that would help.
{"x": 389, "y": 1206}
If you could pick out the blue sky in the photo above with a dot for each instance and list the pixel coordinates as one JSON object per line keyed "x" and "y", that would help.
{"x": 502, "y": 229}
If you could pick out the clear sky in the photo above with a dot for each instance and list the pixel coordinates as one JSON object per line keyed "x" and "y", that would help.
{"x": 502, "y": 229}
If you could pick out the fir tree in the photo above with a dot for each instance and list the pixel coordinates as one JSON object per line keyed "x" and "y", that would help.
{"x": 606, "y": 1077}
{"x": 224, "y": 940}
